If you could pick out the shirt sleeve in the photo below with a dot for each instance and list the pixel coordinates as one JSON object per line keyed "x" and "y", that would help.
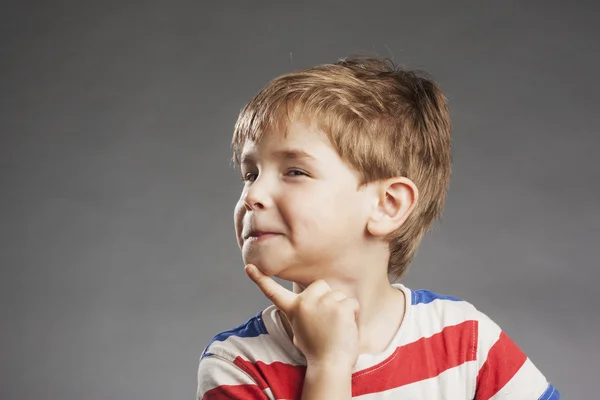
{"x": 504, "y": 371}
{"x": 219, "y": 379}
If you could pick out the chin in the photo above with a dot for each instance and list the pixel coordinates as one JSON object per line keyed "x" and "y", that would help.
{"x": 277, "y": 263}
{"x": 290, "y": 273}
{"x": 268, "y": 265}
{"x": 280, "y": 270}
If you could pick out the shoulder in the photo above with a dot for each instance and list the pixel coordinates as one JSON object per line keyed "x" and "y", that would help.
{"x": 502, "y": 368}
{"x": 261, "y": 339}
{"x": 241, "y": 340}
{"x": 247, "y": 360}
{"x": 445, "y": 312}
{"x": 452, "y": 310}
{"x": 437, "y": 302}
{"x": 435, "y": 312}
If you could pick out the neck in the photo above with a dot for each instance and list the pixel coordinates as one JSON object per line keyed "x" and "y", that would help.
{"x": 372, "y": 295}
{"x": 381, "y": 305}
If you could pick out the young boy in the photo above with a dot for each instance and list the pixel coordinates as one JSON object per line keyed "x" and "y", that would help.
{"x": 345, "y": 167}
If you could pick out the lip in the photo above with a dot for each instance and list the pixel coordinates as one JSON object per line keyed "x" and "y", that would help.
{"x": 260, "y": 236}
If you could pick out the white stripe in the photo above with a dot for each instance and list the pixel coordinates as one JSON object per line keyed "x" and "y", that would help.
{"x": 260, "y": 348}
{"x": 269, "y": 394}
{"x": 527, "y": 383}
{"x": 214, "y": 371}
{"x": 268, "y": 348}
{"x": 429, "y": 319}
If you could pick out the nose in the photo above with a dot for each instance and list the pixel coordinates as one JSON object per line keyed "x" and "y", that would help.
{"x": 258, "y": 195}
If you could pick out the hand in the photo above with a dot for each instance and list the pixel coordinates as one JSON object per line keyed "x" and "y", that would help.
{"x": 323, "y": 320}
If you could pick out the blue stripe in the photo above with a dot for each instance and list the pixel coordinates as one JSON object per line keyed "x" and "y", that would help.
{"x": 253, "y": 327}
{"x": 550, "y": 394}
{"x": 425, "y": 296}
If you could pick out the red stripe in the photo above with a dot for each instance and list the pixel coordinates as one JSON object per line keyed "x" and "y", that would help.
{"x": 423, "y": 359}
{"x": 284, "y": 380}
{"x": 228, "y": 392}
{"x": 503, "y": 361}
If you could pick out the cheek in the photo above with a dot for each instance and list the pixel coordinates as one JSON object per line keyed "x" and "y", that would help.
{"x": 311, "y": 214}
{"x": 340, "y": 214}
{"x": 238, "y": 216}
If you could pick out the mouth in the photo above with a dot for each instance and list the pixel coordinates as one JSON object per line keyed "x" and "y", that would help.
{"x": 259, "y": 236}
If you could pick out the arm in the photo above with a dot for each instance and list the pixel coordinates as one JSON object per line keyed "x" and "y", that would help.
{"x": 220, "y": 379}
{"x": 327, "y": 381}
{"x": 505, "y": 372}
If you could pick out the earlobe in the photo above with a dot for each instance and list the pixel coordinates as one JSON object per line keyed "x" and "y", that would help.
{"x": 396, "y": 199}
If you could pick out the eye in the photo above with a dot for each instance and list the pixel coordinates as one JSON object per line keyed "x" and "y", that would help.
{"x": 249, "y": 177}
{"x": 296, "y": 172}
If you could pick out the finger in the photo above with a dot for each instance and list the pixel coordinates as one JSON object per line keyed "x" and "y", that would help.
{"x": 352, "y": 303}
{"x": 336, "y": 295}
{"x": 316, "y": 290}
{"x": 280, "y": 296}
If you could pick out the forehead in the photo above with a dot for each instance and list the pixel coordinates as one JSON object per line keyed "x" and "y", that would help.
{"x": 294, "y": 140}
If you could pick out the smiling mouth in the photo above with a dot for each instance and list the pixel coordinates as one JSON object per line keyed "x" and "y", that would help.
{"x": 260, "y": 236}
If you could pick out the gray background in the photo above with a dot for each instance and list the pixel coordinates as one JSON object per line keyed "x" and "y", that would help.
{"x": 118, "y": 256}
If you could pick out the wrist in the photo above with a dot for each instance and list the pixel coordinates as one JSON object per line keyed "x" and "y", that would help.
{"x": 332, "y": 366}
{"x": 326, "y": 379}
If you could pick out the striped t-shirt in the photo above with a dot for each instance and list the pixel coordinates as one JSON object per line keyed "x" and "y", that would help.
{"x": 444, "y": 349}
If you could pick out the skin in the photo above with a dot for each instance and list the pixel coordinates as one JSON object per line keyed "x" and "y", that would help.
{"x": 303, "y": 217}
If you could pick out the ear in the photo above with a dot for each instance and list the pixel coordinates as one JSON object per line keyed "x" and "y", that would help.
{"x": 396, "y": 198}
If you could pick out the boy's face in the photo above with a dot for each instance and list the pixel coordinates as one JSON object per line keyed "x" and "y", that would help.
{"x": 301, "y": 215}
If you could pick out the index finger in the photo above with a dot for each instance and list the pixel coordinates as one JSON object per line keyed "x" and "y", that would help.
{"x": 280, "y": 296}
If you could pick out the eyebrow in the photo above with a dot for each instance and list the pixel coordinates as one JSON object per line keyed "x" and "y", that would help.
{"x": 286, "y": 154}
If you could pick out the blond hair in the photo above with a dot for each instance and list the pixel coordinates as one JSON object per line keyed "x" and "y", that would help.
{"x": 383, "y": 120}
